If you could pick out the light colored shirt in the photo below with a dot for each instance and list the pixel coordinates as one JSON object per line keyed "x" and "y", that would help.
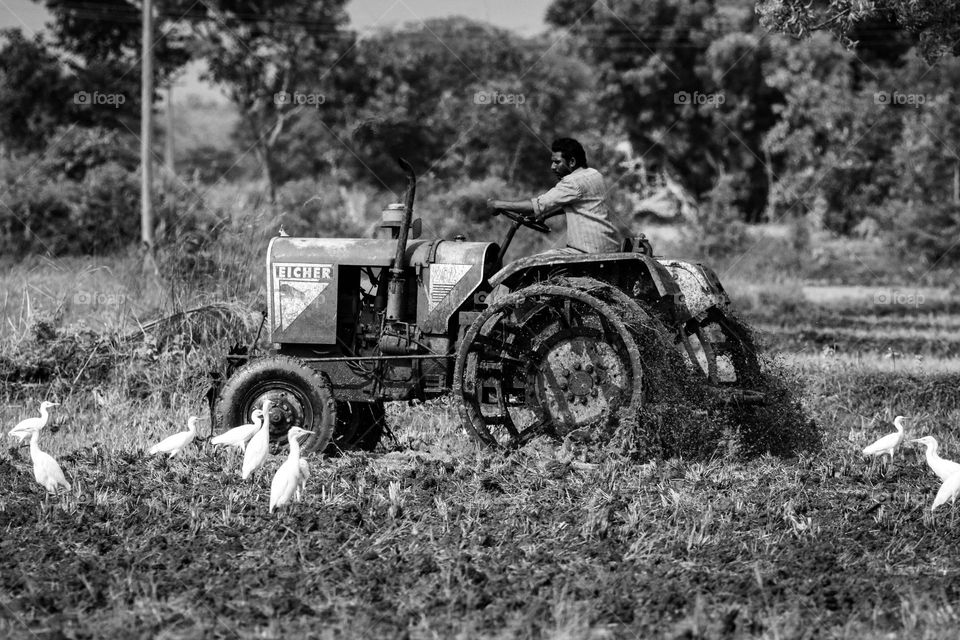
{"x": 580, "y": 195}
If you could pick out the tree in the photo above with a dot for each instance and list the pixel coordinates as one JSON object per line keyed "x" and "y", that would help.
{"x": 35, "y": 93}
{"x": 935, "y": 23}
{"x": 922, "y": 216}
{"x": 101, "y": 41}
{"x": 736, "y": 65}
{"x": 276, "y": 58}
{"x": 686, "y": 81}
{"x": 830, "y": 148}
{"x": 464, "y": 99}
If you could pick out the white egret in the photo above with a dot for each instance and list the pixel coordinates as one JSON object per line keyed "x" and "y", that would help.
{"x": 888, "y": 443}
{"x": 259, "y": 445}
{"x": 238, "y": 436}
{"x": 25, "y": 428}
{"x": 943, "y": 468}
{"x": 948, "y": 491}
{"x": 45, "y": 469}
{"x": 302, "y": 479}
{"x": 287, "y": 479}
{"x": 177, "y": 442}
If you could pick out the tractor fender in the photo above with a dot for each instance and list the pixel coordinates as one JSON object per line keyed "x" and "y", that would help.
{"x": 653, "y": 282}
{"x": 700, "y": 286}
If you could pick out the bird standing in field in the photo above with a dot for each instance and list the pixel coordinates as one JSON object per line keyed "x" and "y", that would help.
{"x": 259, "y": 445}
{"x": 948, "y": 491}
{"x": 286, "y": 481}
{"x": 45, "y": 469}
{"x": 177, "y": 442}
{"x": 238, "y": 436}
{"x": 25, "y": 428}
{"x": 888, "y": 443}
{"x": 943, "y": 468}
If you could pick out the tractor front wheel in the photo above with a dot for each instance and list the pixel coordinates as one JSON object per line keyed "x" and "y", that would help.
{"x": 299, "y": 395}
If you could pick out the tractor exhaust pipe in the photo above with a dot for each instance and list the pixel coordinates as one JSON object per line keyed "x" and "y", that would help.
{"x": 398, "y": 282}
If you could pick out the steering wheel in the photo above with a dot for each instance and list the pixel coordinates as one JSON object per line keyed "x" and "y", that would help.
{"x": 526, "y": 221}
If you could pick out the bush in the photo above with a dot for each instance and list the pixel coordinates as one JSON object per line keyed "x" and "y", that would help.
{"x": 80, "y": 197}
{"x": 37, "y": 212}
{"x": 717, "y": 230}
{"x": 468, "y": 200}
{"x": 325, "y": 209}
{"x": 925, "y": 229}
{"x": 208, "y": 165}
{"x": 109, "y": 201}
{"x": 78, "y": 150}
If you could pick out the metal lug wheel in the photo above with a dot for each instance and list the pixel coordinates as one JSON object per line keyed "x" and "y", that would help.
{"x": 721, "y": 349}
{"x": 545, "y": 360}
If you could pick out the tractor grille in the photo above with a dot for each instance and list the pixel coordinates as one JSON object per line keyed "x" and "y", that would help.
{"x": 439, "y": 291}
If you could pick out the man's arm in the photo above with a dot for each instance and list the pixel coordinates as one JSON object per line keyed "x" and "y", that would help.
{"x": 520, "y": 206}
{"x": 517, "y": 206}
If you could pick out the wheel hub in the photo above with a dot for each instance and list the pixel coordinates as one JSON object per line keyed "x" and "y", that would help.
{"x": 286, "y": 411}
{"x": 579, "y": 383}
{"x": 578, "y": 378}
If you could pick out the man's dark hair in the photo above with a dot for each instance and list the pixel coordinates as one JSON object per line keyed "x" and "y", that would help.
{"x": 570, "y": 149}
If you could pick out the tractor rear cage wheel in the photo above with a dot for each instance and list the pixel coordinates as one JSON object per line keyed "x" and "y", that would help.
{"x": 737, "y": 346}
{"x": 655, "y": 340}
{"x": 301, "y": 395}
{"x": 729, "y": 357}
{"x": 532, "y": 335}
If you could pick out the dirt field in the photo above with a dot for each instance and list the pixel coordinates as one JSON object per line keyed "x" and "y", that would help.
{"x": 431, "y": 537}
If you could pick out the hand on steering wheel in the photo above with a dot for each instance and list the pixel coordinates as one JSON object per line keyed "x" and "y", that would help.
{"x": 527, "y": 221}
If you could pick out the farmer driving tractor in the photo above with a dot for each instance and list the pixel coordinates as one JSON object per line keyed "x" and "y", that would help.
{"x": 579, "y": 194}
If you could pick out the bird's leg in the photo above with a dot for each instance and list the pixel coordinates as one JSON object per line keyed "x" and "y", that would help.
{"x": 886, "y": 465}
{"x": 46, "y": 502}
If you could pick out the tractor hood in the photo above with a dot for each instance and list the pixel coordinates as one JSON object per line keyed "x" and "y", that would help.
{"x": 303, "y": 277}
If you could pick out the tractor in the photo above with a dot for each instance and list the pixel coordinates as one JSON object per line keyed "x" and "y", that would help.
{"x": 545, "y": 345}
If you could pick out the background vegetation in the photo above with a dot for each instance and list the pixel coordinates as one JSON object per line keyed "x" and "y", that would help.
{"x": 756, "y": 126}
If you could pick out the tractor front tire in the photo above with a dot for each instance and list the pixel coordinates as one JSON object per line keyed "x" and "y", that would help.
{"x": 300, "y": 396}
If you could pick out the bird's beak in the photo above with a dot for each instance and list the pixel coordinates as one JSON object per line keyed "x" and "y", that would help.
{"x": 917, "y": 441}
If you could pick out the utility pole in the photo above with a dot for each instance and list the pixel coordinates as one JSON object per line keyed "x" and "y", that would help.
{"x": 146, "y": 129}
{"x": 168, "y": 147}
{"x": 956, "y": 181}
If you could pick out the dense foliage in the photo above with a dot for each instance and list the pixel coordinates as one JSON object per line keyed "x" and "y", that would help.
{"x": 858, "y": 139}
{"x": 934, "y": 24}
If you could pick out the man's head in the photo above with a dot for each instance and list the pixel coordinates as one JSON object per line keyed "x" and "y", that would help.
{"x": 567, "y": 155}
